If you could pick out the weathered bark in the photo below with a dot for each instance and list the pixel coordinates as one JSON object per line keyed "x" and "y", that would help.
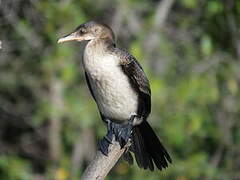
{"x": 101, "y": 164}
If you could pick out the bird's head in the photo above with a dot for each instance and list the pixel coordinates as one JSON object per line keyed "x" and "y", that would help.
{"x": 89, "y": 31}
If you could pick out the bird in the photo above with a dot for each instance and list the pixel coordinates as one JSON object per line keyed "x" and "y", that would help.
{"x": 121, "y": 90}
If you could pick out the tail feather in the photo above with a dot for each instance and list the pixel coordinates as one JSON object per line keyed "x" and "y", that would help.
{"x": 141, "y": 154}
{"x": 127, "y": 156}
{"x": 148, "y": 148}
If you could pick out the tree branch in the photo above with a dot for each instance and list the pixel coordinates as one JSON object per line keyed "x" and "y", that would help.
{"x": 101, "y": 164}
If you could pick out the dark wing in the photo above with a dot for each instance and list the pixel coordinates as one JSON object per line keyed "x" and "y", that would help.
{"x": 139, "y": 82}
{"x": 91, "y": 91}
{"x": 89, "y": 86}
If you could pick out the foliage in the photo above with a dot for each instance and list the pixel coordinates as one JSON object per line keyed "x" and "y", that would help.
{"x": 49, "y": 123}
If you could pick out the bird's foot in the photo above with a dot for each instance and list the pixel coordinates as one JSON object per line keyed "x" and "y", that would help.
{"x": 122, "y": 134}
{"x": 106, "y": 141}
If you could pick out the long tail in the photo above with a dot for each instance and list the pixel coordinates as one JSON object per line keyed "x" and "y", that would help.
{"x": 148, "y": 149}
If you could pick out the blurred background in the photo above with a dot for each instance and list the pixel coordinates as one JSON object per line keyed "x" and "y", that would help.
{"x": 190, "y": 50}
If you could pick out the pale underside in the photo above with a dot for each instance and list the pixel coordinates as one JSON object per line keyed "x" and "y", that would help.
{"x": 115, "y": 97}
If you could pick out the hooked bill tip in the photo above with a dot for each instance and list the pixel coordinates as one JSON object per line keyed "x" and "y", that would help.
{"x": 60, "y": 40}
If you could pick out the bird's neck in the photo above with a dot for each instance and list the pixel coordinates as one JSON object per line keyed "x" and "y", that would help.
{"x": 101, "y": 45}
{"x": 99, "y": 58}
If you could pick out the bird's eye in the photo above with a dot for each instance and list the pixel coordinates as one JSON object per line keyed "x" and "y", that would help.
{"x": 83, "y": 31}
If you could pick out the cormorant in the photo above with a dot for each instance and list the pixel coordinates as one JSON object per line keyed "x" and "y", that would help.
{"x": 122, "y": 92}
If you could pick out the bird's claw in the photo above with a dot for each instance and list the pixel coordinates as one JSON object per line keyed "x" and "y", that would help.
{"x": 105, "y": 142}
{"x": 122, "y": 134}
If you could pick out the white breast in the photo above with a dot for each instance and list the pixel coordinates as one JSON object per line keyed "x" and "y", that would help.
{"x": 115, "y": 97}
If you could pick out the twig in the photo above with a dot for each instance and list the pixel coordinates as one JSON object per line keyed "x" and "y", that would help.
{"x": 56, "y": 99}
{"x": 82, "y": 153}
{"x": 162, "y": 12}
{"x": 101, "y": 164}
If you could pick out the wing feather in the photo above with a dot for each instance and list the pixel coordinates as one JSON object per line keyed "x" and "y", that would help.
{"x": 140, "y": 82}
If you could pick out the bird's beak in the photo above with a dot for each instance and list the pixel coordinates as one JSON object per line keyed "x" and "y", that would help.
{"x": 71, "y": 37}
